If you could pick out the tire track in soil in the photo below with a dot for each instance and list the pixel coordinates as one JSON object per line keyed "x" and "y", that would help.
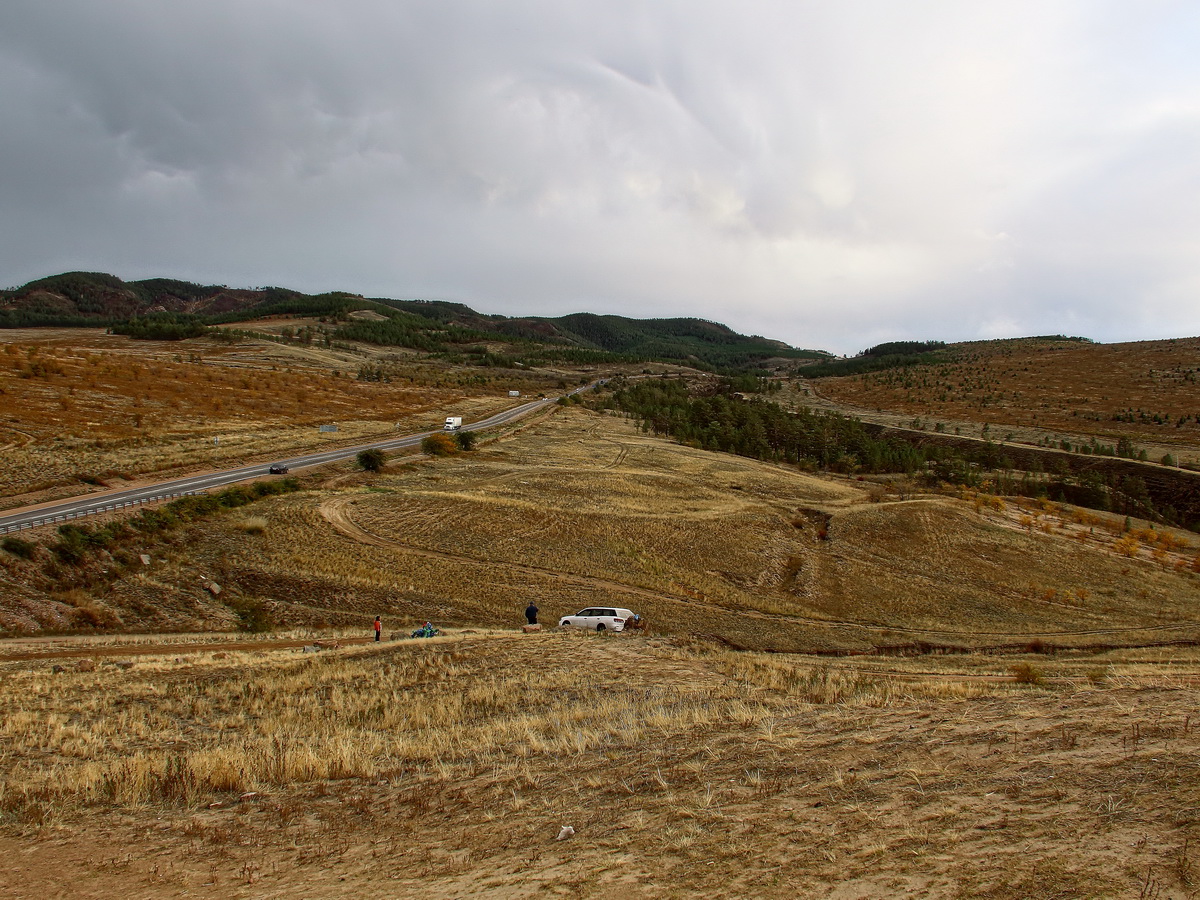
{"x": 334, "y": 511}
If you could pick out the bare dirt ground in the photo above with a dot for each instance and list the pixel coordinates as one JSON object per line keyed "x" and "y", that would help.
{"x": 726, "y": 775}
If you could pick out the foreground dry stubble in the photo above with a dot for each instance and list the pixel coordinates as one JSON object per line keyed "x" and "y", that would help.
{"x": 445, "y": 767}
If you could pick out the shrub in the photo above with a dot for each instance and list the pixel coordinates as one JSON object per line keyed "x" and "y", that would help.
{"x": 1024, "y": 673}
{"x": 93, "y": 615}
{"x": 440, "y": 444}
{"x": 465, "y": 440}
{"x": 253, "y": 525}
{"x": 372, "y": 460}
{"x": 88, "y": 612}
{"x": 233, "y": 497}
{"x": 253, "y": 615}
{"x": 18, "y": 547}
{"x": 1128, "y": 546}
{"x": 151, "y": 521}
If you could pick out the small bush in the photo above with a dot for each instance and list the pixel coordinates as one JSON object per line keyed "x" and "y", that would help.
{"x": 88, "y": 612}
{"x": 253, "y": 525}
{"x": 1128, "y": 546}
{"x": 253, "y": 614}
{"x": 439, "y": 445}
{"x": 1025, "y": 673}
{"x": 465, "y": 440}
{"x": 371, "y": 460}
{"x": 18, "y": 547}
{"x": 93, "y": 615}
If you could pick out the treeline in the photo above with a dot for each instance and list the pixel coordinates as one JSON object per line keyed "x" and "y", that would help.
{"x": 528, "y": 355}
{"x": 406, "y": 330}
{"x": 890, "y": 355}
{"x": 161, "y": 327}
{"x": 716, "y": 419}
{"x": 763, "y": 430}
{"x": 36, "y": 318}
{"x": 283, "y": 302}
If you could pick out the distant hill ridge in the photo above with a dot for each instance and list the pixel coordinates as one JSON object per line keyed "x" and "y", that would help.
{"x": 80, "y": 299}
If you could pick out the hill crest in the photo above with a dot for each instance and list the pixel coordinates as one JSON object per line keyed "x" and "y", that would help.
{"x": 100, "y": 299}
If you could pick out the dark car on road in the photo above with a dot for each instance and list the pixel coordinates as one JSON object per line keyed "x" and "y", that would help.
{"x": 278, "y": 469}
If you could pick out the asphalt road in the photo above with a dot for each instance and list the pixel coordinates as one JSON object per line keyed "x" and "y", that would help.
{"x": 92, "y": 504}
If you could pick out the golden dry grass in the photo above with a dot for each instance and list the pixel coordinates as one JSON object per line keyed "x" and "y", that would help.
{"x": 433, "y": 768}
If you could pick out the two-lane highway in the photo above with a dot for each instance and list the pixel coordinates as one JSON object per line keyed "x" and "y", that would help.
{"x": 93, "y": 504}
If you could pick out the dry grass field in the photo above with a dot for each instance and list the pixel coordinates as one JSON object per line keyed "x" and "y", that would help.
{"x": 1148, "y": 392}
{"x": 448, "y": 767}
{"x": 83, "y": 407}
{"x": 849, "y": 689}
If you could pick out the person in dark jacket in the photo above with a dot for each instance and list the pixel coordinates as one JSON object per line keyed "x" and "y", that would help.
{"x": 531, "y": 612}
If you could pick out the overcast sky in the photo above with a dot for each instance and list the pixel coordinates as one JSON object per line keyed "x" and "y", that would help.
{"x": 832, "y": 174}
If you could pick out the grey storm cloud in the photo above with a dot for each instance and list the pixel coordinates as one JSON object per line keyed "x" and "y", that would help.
{"x": 831, "y": 174}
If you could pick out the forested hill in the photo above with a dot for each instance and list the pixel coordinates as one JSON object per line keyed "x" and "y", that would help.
{"x": 183, "y": 309}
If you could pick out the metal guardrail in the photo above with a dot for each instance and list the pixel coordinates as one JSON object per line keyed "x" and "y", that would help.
{"x": 97, "y": 510}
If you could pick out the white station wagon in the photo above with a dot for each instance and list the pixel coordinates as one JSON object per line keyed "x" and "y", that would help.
{"x": 597, "y": 618}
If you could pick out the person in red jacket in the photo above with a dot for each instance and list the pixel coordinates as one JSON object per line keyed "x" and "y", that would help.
{"x": 378, "y": 628}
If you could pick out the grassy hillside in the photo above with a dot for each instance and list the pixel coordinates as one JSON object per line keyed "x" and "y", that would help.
{"x": 585, "y": 510}
{"x": 1065, "y": 393}
{"x": 86, "y": 407}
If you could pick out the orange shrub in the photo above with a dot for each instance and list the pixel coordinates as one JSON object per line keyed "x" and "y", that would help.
{"x": 439, "y": 445}
{"x": 1128, "y": 546}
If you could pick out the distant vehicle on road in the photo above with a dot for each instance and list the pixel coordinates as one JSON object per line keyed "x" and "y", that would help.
{"x": 598, "y": 618}
{"x": 278, "y": 469}
{"x": 453, "y": 423}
